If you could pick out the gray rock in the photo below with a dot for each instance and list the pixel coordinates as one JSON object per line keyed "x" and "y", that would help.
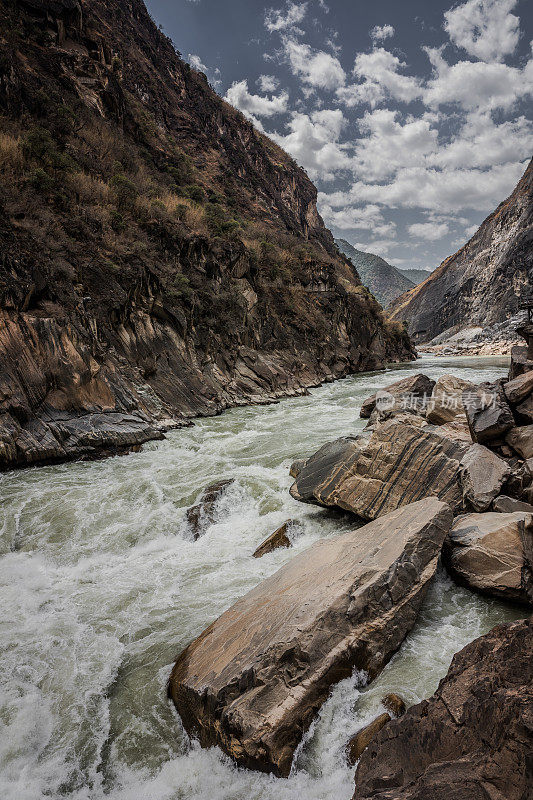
{"x": 446, "y": 402}
{"x": 488, "y": 414}
{"x": 493, "y": 554}
{"x": 254, "y": 680}
{"x": 519, "y": 388}
{"x": 332, "y": 460}
{"x": 521, "y": 440}
{"x": 482, "y": 475}
{"x": 413, "y": 386}
{"x": 507, "y": 505}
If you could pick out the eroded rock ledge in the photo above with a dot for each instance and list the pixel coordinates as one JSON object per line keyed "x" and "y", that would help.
{"x": 472, "y": 740}
{"x": 253, "y": 681}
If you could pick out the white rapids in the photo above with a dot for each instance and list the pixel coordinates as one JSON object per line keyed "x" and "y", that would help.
{"x": 101, "y": 587}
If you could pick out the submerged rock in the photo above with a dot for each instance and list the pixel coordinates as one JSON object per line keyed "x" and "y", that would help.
{"x": 394, "y": 703}
{"x": 360, "y": 741}
{"x": 413, "y": 386}
{"x": 253, "y": 681}
{"x": 493, "y": 553}
{"x": 203, "y": 513}
{"x": 277, "y": 539}
{"x": 472, "y": 740}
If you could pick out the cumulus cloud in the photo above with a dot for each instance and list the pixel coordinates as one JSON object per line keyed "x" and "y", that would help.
{"x": 313, "y": 140}
{"x": 284, "y": 19}
{"x": 379, "y": 76}
{"x": 316, "y": 68}
{"x": 428, "y": 230}
{"x": 352, "y": 217}
{"x": 267, "y": 83}
{"x": 484, "y": 28}
{"x": 381, "y": 32}
{"x": 196, "y": 62}
{"x": 254, "y": 105}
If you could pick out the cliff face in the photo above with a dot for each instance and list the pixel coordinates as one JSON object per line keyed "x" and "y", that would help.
{"x": 159, "y": 258}
{"x": 483, "y": 282}
{"x": 384, "y": 281}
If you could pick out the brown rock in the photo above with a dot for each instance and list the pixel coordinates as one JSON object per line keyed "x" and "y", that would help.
{"x": 203, "y": 513}
{"x": 519, "y": 362}
{"x": 472, "y": 740}
{"x": 456, "y": 429}
{"x": 482, "y": 475}
{"x": 253, "y": 681}
{"x": 488, "y": 414}
{"x": 277, "y": 539}
{"x": 507, "y": 505}
{"x": 525, "y": 409}
{"x": 446, "y": 400}
{"x": 399, "y": 465}
{"x": 394, "y": 703}
{"x": 296, "y": 467}
{"x": 493, "y": 554}
{"x": 521, "y": 440}
{"x": 332, "y": 460}
{"x": 362, "y": 738}
{"x": 415, "y": 386}
{"x": 519, "y": 388}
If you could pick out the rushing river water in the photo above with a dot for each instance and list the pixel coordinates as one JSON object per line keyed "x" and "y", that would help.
{"x": 101, "y": 586}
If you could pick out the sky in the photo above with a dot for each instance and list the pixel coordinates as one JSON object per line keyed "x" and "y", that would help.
{"x": 412, "y": 117}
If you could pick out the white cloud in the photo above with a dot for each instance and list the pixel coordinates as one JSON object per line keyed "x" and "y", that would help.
{"x": 368, "y": 217}
{"x": 476, "y": 84}
{"x": 471, "y": 230}
{"x": 484, "y": 28}
{"x": 379, "y": 76}
{"x": 381, "y": 32}
{"x": 316, "y": 68}
{"x": 196, "y": 62}
{"x": 253, "y": 104}
{"x": 324, "y": 6}
{"x": 390, "y": 144}
{"x": 428, "y": 230}
{"x": 267, "y": 83}
{"x": 285, "y": 19}
{"x": 480, "y": 142}
{"x": 313, "y": 140}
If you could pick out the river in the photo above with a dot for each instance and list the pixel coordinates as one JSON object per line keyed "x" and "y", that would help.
{"x": 101, "y": 586}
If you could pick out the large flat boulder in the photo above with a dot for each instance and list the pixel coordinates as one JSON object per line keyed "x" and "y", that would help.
{"x": 332, "y": 461}
{"x": 446, "y": 401}
{"x": 519, "y": 388}
{"x": 400, "y": 464}
{"x": 472, "y": 740}
{"x": 253, "y": 681}
{"x": 493, "y": 554}
{"x": 488, "y": 413}
{"x": 414, "y": 386}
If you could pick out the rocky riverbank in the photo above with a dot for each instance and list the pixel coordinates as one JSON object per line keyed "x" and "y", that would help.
{"x": 445, "y": 457}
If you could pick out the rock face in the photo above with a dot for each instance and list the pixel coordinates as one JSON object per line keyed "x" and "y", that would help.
{"x": 399, "y": 465}
{"x": 159, "y": 257}
{"x": 488, "y": 413}
{"x": 493, "y": 553}
{"x": 483, "y": 282}
{"x": 416, "y": 386}
{"x": 253, "y": 681}
{"x": 384, "y": 281}
{"x": 472, "y": 739}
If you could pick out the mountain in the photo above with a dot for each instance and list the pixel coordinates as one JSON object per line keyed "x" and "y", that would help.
{"x": 416, "y": 276}
{"x": 159, "y": 257}
{"x": 483, "y": 283}
{"x": 384, "y": 281}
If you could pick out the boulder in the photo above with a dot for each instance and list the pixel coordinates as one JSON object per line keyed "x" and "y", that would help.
{"x": 296, "y": 467}
{"x": 203, "y": 513}
{"x": 482, "y": 475}
{"x": 446, "y": 401}
{"x": 525, "y": 409}
{"x": 277, "y": 539}
{"x": 472, "y": 739}
{"x": 360, "y": 741}
{"x": 412, "y": 386}
{"x": 254, "y": 680}
{"x": 332, "y": 460}
{"x": 456, "y": 429}
{"x": 399, "y": 465}
{"x": 506, "y": 505}
{"x": 488, "y": 414}
{"x": 493, "y": 554}
{"x": 394, "y": 703}
{"x": 521, "y": 440}
{"x": 519, "y": 388}
{"x": 519, "y": 362}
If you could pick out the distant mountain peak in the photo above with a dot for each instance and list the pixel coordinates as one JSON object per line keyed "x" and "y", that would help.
{"x": 384, "y": 281}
